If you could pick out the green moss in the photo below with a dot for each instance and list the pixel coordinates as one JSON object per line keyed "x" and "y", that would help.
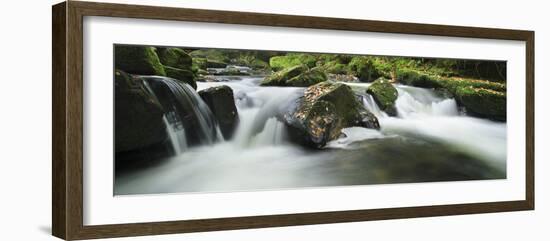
{"x": 383, "y": 93}
{"x": 334, "y": 67}
{"x": 292, "y": 59}
{"x": 182, "y": 75}
{"x": 175, "y": 57}
{"x": 199, "y": 63}
{"x": 364, "y": 68}
{"x": 418, "y": 79}
{"x": 307, "y": 78}
{"x": 217, "y": 55}
{"x": 342, "y": 97}
{"x": 258, "y": 64}
{"x": 483, "y": 102}
{"x": 138, "y": 60}
{"x": 279, "y": 78}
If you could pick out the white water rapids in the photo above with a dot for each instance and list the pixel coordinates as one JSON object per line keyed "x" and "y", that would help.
{"x": 428, "y": 132}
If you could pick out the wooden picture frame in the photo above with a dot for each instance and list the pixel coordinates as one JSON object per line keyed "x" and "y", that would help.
{"x": 67, "y": 159}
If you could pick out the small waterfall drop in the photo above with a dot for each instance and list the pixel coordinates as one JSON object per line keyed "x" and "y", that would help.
{"x": 413, "y": 102}
{"x": 370, "y": 104}
{"x": 184, "y": 110}
{"x": 176, "y": 133}
{"x": 257, "y": 108}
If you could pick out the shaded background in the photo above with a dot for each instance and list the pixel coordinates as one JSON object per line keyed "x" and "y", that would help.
{"x": 25, "y": 127}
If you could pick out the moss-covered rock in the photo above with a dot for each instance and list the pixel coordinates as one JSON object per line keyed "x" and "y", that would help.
{"x": 483, "y": 102}
{"x": 480, "y": 98}
{"x": 138, "y": 115}
{"x": 279, "y": 78}
{"x": 418, "y": 79}
{"x": 307, "y": 78}
{"x": 384, "y": 94}
{"x": 296, "y": 76}
{"x": 364, "y": 68}
{"x": 293, "y": 59}
{"x": 175, "y": 57}
{"x": 334, "y": 67}
{"x": 221, "y": 102}
{"x": 216, "y": 55}
{"x": 183, "y": 75}
{"x": 199, "y": 63}
{"x": 138, "y": 60}
{"x": 323, "y": 112}
{"x": 215, "y": 64}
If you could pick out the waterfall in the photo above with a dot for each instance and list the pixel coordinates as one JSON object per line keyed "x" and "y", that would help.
{"x": 188, "y": 119}
{"x": 257, "y": 107}
{"x": 176, "y": 133}
{"x": 423, "y": 113}
{"x": 370, "y": 104}
{"x": 414, "y": 102}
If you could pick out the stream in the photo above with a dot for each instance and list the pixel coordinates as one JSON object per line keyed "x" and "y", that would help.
{"x": 429, "y": 140}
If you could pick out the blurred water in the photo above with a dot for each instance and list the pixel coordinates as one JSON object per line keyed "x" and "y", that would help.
{"x": 429, "y": 140}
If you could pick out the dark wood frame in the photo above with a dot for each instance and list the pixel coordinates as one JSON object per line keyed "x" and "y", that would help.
{"x": 67, "y": 163}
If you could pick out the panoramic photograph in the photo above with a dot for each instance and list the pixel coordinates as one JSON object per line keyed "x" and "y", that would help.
{"x": 189, "y": 120}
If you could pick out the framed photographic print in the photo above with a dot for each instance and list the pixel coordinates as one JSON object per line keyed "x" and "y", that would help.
{"x": 171, "y": 120}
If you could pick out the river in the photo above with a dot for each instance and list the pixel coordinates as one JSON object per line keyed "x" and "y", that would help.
{"x": 429, "y": 140}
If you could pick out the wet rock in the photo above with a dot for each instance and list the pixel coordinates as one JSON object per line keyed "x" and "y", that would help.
{"x": 183, "y": 75}
{"x": 138, "y": 60}
{"x": 384, "y": 94}
{"x": 323, "y": 112}
{"x": 176, "y": 58}
{"x": 138, "y": 115}
{"x": 221, "y": 102}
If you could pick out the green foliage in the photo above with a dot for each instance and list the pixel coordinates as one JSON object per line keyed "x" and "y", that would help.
{"x": 365, "y": 68}
{"x": 138, "y": 60}
{"x": 216, "y": 55}
{"x": 199, "y": 63}
{"x": 292, "y": 59}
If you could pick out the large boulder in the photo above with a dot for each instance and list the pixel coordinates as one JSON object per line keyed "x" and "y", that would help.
{"x": 323, "y": 112}
{"x": 296, "y": 76}
{"x": 221, "y": 102}
{"x": 138, "y": 60}
{"x": 175, "y": 57}
{"x": 384, "y": 94}
{"x": 482, "y": 102}
{"x": 138, "y": 115}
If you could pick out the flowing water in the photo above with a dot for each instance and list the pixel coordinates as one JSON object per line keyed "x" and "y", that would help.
{"x": 430, "y": 139}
